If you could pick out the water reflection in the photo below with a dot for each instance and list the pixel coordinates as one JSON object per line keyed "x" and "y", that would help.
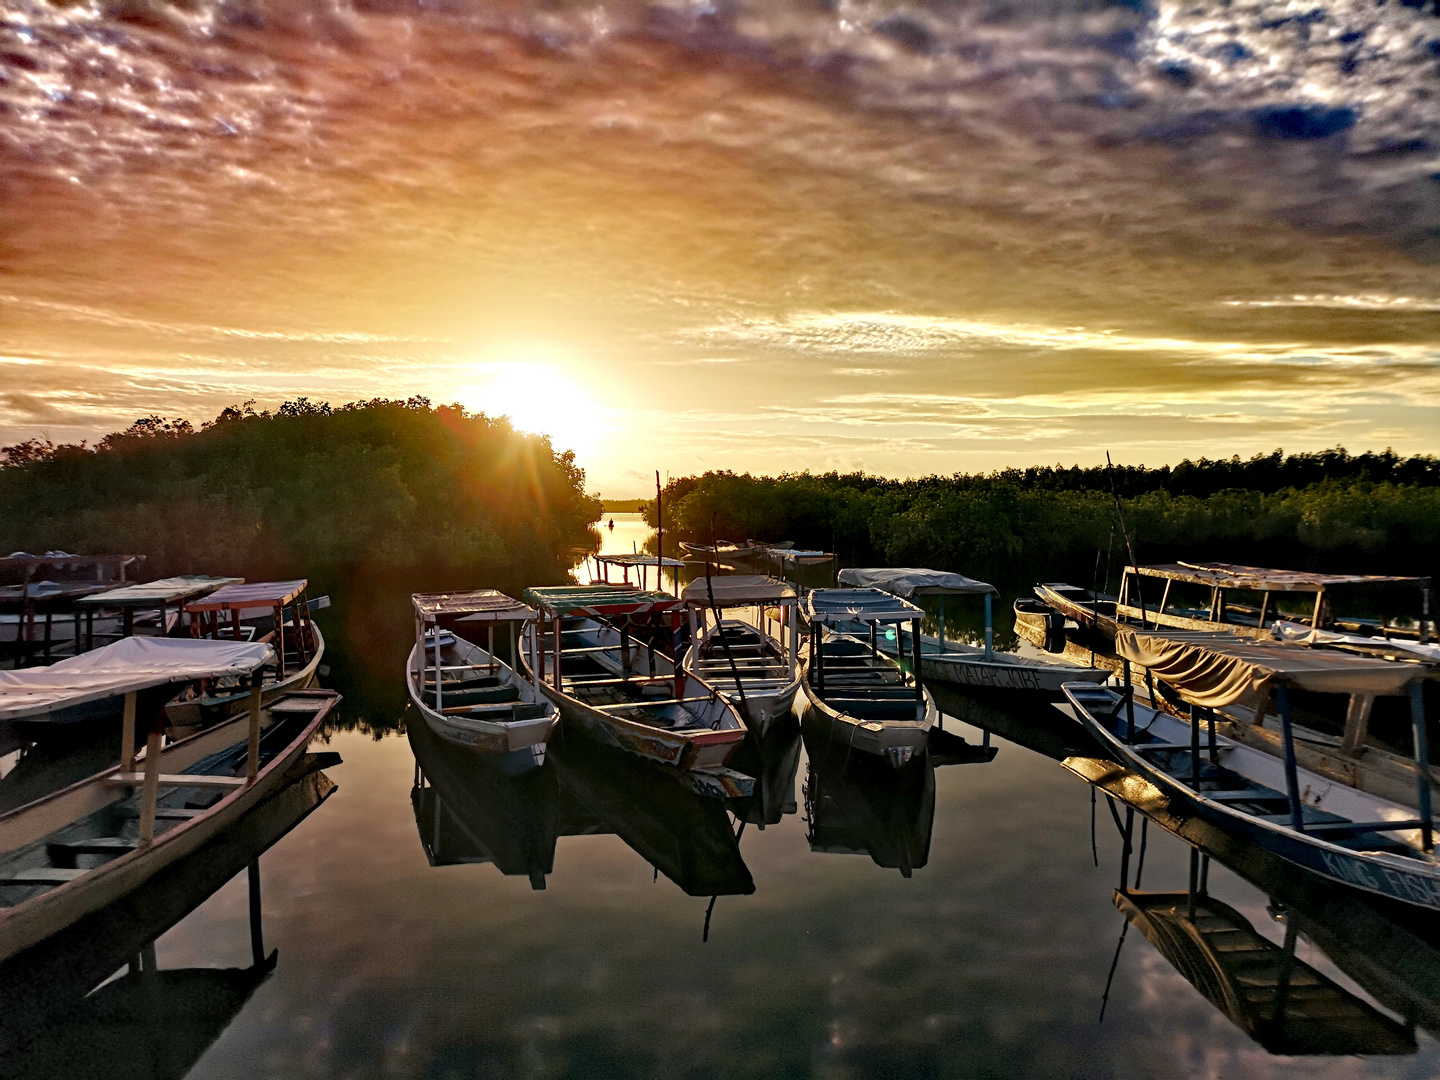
{"x": 62, "y": 1013}
{"x": 469, "y": 811}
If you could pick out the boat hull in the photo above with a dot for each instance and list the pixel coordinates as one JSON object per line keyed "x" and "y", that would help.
{"x": 211, "y": 707}
{"x": 964, "y": 665}
{"x": 897, "y": 742}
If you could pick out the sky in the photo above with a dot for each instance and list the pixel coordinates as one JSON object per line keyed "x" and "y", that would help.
{"x": 901, "y": 238}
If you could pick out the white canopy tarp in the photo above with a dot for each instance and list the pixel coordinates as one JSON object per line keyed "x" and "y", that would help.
{"x": 910, "y": 581}
{"x": 133, "y": 663}
{"x": 738, "y": 590}
{"x": 828, "y": 607}
{"x": 1218, "y": 669}
{"x": 1293, "y": 631}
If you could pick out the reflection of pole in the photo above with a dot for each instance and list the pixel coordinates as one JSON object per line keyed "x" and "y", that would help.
{"x": 1125, "y": 839}
{"x": 257, "y": 941}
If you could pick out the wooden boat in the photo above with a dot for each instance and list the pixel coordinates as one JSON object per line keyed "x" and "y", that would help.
{"x": 608, "y": 663}
{"x": 1217, "y": 583}
{"x": 469, "y": 810}
{"x": 1281, "y": 1002}
{"x": 86, "y": 846}
{"x": 756, "y": 672}
{"x": 479, "y": 701}
{"x": 276, "y": 613}
{"x": 56, "y": 1021}
{"x": 1333, "y": 830}
{"x": 45, "y": 590}
{"x": 954, "y": 662}
{"x": 864, "y": 699}
{"x": 723, "y": 550}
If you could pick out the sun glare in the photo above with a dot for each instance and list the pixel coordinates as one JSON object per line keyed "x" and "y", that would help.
{"x": 539, "y": 398}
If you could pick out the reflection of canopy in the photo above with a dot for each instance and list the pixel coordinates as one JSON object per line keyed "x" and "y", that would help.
{"x": 481, "y": 605}
{"x": 737, "y": 590}
{"x": 168, "y": 590}
{"x": 133, "y": 663}
{"x": 1217, "y": 669}
{"x": 257, "y": 594}
{"x": 1231, "y": 576}
{"x": 1276, "y": 998}
{"x": 640, "y": 560}
{"x": 599, "y": 601}
{"x": 829, "y": 606}
{"x": 911, "y": 582}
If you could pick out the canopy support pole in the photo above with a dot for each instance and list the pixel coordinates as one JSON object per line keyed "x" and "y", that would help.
{"x": 1292, "y": 781}
{"x": 1319, "y": 609}
{"x": 535, "y": 673}
{"x": 989, "y": 630}
{"x": 1264, "y": 607}
{"x": 794, "y": 636}
{"x": 556, "y": 625}
{"x": 127, "y": 735}
{"x": 439, "y": 698}
{"x": 1129, "y": 705}
{"x": 1422, "y": 762}
{"x": 150, "y": 789}
{"x": 818, "y": 659}
{"x": 1424, "y": 616}
{"x": 1357, "y": 724}
{"x": 252, "y": 755}
{"x": 942, "y": 621}
{"x": 919, "y": 687}
{"x": 1194, "y": 746}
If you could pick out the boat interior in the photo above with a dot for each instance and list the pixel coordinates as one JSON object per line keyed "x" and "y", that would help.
{"x": 852, "y": 679}
{"x": 113, "y": 829}
{"x": 757, "y": 657}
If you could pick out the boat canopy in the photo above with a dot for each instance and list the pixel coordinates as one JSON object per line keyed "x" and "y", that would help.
{"x": 1258, "y": 579}
{"x": 133, "y": 663}
{"x": 830, "y": 606}
{"x": 170, "y": 590}
{"x": 738, "y": 590}
{"x": 910, "y": 582}
{"x": 1215, "y": 669}
{"x": 480, "y": 605}
{"x": 600, "y": 601}
{"x": 641, "y": 560}
{"x": 63, "y": 560}
{"x": 256, "y": 594}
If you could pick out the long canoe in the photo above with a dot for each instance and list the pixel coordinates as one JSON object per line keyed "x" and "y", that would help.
{"x": 766, "y": 687}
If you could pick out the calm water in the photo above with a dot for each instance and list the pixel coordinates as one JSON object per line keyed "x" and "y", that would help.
{"x": 990, "y": 957}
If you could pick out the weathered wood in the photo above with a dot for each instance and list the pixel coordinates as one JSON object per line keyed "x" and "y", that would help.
{"x": 1357, "y": 724}
{"x": 150, "y": 787}
{"x": 198, "y": 780}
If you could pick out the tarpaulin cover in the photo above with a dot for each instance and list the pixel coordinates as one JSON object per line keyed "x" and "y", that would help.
{"x": 909, "y": 582}
{"x": 1218, "y": 669}
{"x": 829, "y": 606}
{"x": 480, "y": 605}
{"x": 256, "y": 594}
{"x": 1292, "y": 631}
{"x": 168, "y": 590}
{"x": 738, "y": 589}
{"x": 133, "y": 663}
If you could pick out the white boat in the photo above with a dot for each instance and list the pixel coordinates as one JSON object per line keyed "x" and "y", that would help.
{"x": 478, "y": 701}
{"x": 955, "y": 662}
{"x": 756, "y": 671}
{"x": 604, "y": 655}
{"x": 863, "y": 699}
{"x": 79, "y": 849}
{"x": 1314, "y": 821}
{"x": 272, "y": 612}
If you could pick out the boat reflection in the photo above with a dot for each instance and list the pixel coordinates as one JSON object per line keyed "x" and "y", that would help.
{"x": 1276, "y": 998}
{"x": 773, "y": 760}
{"x": 147, "y": 1022}
{"x": 1390, "y": 951}
{"x": 467, "y": 811}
